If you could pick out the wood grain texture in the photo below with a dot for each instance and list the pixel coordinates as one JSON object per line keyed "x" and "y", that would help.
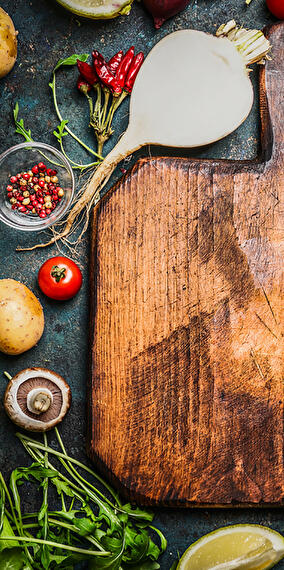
{"x": 186, "y": 384}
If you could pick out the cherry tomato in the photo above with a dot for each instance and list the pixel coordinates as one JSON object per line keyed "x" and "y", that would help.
{"x": 60, "y": 278}
{"x": 276, "y": 8}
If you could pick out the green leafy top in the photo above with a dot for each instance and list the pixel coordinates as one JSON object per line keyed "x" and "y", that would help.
{"x": 91, "y": 523}
{"x": 20, "y": 128}
{"x": 71, "y": 60}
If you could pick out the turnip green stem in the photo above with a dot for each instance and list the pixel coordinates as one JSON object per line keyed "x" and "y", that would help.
{"x": 84, "y": 145}
{"x": 76, "y": 165}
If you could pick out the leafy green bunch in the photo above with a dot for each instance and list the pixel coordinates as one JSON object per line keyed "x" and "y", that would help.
{"x": 91, "y": 524}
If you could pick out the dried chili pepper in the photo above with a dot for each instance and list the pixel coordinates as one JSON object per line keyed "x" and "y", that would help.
{"x": 124, "y": 67}
{"x": 83, "y": 85}
{"x": 106, "y": 77}
{"x": 114, "y": 62}
{"x": 87, "y": 71}
{"x": 132, "y": 73}
{"x": 97, "y": 55}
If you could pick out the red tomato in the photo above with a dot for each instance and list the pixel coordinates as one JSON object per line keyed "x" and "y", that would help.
{"x": 276, "y": 8}
{"x": 60, "y": 278}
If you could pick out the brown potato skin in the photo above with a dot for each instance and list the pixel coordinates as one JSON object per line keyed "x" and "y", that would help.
{"x": 8, "y": 43}
{"x": 21, "y": 317}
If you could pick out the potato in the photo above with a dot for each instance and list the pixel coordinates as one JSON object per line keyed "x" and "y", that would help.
{"x": 21, "y": 317}
{"x": 8, "y": 43}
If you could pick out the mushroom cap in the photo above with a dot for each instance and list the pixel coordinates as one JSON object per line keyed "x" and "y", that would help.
{"x": 15, "y": 399}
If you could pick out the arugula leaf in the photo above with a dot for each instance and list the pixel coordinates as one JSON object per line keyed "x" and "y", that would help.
{"x": 20, "y": 128}
{"x": 174, "y": 565}
{"x": 84, "y": 525}
{"x": 112, "y": 562}
{"x": 62, "y": 487}
{"x": 137, "y": 513}
{"x": 36, "y": 470}
{"x": 163, "y": 540}
{"x": 71, "y": 60}
{"x": 12, "y": 559}
{"x": 52, "y": 538}
{"x": 65, "y": 562}
{"x": 7, "y": 531}
{"x": 45, "y": 558}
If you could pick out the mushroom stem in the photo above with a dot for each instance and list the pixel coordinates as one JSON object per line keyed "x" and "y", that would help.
{"x": 39, "y": 400}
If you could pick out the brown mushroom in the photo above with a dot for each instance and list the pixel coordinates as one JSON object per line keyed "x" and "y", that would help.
{"x": 37, "y": 399}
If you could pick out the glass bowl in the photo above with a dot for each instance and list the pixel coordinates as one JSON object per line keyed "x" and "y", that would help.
{"x": 21, "y": 158}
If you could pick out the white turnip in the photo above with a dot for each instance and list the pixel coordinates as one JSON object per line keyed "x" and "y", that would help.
{"x": 193, "y": 89}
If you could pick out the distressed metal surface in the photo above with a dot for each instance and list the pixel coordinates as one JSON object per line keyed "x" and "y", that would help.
{"x": 46, "y": 33}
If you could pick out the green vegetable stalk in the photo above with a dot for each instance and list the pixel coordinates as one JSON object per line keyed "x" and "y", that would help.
{"x": 90, "y": 525}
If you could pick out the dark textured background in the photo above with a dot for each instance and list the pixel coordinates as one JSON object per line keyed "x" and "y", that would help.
{"x": 46, "y": 33}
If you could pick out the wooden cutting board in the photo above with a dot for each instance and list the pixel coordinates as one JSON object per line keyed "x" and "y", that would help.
{"x": 186, "y": 385}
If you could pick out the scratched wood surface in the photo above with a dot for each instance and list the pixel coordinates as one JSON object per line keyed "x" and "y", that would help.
{"x": 186, "y": 384}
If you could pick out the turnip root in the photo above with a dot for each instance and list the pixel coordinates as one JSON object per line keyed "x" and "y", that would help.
{"x": 208, "y": 96}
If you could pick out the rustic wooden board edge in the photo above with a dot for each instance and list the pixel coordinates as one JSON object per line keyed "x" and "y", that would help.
{"x": 260, "y": 162}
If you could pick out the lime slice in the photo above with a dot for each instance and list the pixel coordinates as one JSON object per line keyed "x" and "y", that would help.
{"x": 97, "y": 9}
{"x": 242, "y": 546}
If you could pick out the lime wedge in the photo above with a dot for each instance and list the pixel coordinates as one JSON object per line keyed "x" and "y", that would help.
{"x": 242, "y": 547}
{"x": 97, "y": 9}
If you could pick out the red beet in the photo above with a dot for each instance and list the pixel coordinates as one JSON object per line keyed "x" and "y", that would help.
{"x": 161, "y": 10}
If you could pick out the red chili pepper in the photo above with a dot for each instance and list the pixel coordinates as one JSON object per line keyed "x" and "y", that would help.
{"x": 114, "y": 62}
{"x": 124, "y": 67}
{"x": 106, "y": 77}
{"x": 83, "y": 85}
{"x": 97, "y": 55}
{"x": 87, "y": 71}
{"x": 132, "y": 73}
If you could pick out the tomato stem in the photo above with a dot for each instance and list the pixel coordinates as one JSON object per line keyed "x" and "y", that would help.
{"x": 58, "y": 273}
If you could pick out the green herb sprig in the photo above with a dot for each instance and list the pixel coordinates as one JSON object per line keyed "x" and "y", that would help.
{"x": 91, "y": 524}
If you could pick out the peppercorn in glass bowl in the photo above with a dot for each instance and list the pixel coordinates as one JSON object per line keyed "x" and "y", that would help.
{"x": 37, "y": 186}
